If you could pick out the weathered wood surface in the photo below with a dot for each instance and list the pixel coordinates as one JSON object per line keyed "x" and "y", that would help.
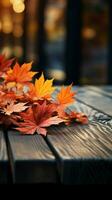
{"x": 79, "y": 154}
{"x": 31, "y": 159}
{"x": 3, "y": 160}
{"x": 84, "y": 153}
{"x": 92, "y": 114}
{"x": 105, "y": 90}
{"x": 95, "y": 100}
{"x": 97, "y": 107}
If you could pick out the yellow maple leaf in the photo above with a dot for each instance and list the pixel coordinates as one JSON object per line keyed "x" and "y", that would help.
{"x": 42, "y": 88}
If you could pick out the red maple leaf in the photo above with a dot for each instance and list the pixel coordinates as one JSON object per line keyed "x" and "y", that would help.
{"x": 4, "y": 65}
{"x": 37, "y": 118}
{"x": 7, "y": 120}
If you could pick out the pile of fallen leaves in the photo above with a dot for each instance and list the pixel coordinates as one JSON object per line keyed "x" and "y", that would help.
{"x": 31, "y": 107}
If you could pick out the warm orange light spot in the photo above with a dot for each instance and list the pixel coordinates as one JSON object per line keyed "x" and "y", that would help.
{"x": 88, "y": 33}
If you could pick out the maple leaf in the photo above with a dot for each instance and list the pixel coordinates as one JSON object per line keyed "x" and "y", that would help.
{"x": 81, "y": 118}
{"x": 73, "y": 116}
{"x": 65, "y": 96}
{"x": 17, "y": 90}
{"x": 6, "y": 98}
{"x": 14, "y": 107}
{"x": 7, "y": 120}
{"x": 4, "y": 65}
{"x": 37, "y": 118}
{"x": 42, "y": 88}
{"x": 20, "y": 74}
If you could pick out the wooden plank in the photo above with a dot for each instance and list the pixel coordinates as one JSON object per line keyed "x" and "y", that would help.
{"x": 95, "y": 100}
{"x": 84, "y": 153}
{"x": 31, "y": 159}
{"x": 3, "y": 160}
{"x": 104, "y": 90}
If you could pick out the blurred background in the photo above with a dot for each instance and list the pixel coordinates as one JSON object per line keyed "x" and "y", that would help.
{"x": 69, "y": 40}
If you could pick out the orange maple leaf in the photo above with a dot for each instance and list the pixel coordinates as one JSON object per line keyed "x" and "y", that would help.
{"x": 6, "y": 98}
{"x": 20, "y": 74}
{"x": 65, "y": 96}
{"x": 39, "y": 117}
{"x": 42, "y": 88}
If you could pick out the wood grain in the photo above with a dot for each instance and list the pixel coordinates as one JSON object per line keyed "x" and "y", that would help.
{"x": 104, "y": 90}
{"x": 79, "y": 154}
{"x": 93, "y": 115}
{"x": 3, "y": 160}
{"x": 31, "y": 159}
{"x": 84, "y": 153}
{"x": 95, "y": 100}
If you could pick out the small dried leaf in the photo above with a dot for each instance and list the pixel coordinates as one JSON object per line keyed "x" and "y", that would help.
{"x": 18, "y": 107}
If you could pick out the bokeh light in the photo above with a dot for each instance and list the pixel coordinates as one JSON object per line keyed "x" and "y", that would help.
{"x": 18, "y": 5}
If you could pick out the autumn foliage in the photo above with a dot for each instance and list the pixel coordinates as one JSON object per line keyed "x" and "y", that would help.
{"x": 32, "y": 107}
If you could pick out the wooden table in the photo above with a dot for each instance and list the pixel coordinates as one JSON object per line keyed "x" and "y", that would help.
{"x": 77, "y": 154}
